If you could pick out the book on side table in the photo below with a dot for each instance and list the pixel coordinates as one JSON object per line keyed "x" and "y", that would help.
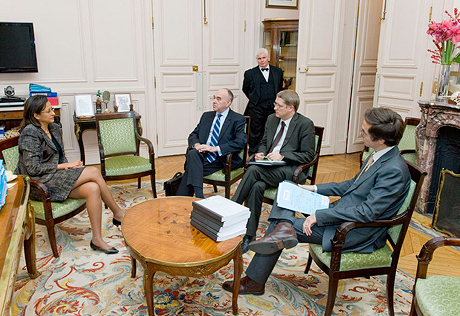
{"x": 219, "y": 218}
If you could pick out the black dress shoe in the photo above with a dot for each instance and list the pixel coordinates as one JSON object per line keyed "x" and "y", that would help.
{"x": 283, "y": 236}
{"x": 245, "y": 244}
{"x": 247, "y": 286}
{"x": 116, "y": 222}
{"x": 110, "y": 251}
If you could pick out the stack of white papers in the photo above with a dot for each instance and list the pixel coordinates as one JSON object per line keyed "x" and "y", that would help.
{"x": 219, "y": 218}
{"x": 293, "y": 197}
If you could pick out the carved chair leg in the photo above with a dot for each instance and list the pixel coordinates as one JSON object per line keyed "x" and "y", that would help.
{"x": 331, "y": 294}
{"x": 307, "y": 268}
{"x": 52, "y": 238}
{"x": 139, "y": 183}
{"x": 215, "y": 188}
{"x": 227, "y": 191}
{"x": 390, "y": 292}
{"x": 154, "y": 188}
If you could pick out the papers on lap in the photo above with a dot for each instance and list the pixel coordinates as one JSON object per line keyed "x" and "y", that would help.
{"x": 267, "y": 162}
{"x": 293, "y": 197}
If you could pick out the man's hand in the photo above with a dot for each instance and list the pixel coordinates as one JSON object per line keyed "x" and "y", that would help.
{"x": 309, "y": 222}
{"x": 275, "y": 156}
{"x": 259, "y": 156}
{"x": 307, "y": 187}
{"x": 205, "y": 148}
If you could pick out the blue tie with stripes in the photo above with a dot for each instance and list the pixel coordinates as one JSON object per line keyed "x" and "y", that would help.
{"x": 214, "y": 138}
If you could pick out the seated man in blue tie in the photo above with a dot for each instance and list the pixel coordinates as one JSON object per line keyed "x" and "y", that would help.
{"x": 218, "y": 133}
{"x": 376, "y": 192}
{"x": 288, "y": 137}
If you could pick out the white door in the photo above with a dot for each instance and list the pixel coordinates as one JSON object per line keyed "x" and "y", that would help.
{"x": 403, "y": 60}
{"x": 198, "y": 50}
{"x": 325, "y": 62}
{"x": 365, "y": 65}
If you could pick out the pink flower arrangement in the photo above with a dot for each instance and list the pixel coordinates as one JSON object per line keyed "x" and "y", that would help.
{"x": 445, "y": 36}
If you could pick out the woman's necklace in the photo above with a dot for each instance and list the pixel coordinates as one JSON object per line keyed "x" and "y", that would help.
{"x": 47, "y": 131}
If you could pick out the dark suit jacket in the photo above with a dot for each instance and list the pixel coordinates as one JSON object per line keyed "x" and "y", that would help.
{"x": 378, "y": 194}
{"x": 298, "y": 146}
{"x": 251, "y": 82}
{"x": 232, "y": 136}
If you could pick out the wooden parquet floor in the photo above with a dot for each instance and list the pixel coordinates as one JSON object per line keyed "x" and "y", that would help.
{"x": 338, "y": 168}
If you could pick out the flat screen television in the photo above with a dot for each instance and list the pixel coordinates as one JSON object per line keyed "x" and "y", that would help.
{"x": 17, "y": 47}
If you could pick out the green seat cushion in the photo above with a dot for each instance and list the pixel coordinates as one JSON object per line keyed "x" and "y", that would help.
{"x": 125, "y": 165}
{"x": 354, "y": 260}
{"x": 270, "y": 193}
{"x": 410, "y": 157}
{"x": 220, "y": 176}
{"x": 11, "y": 156}
{"x": 438, "y": 295}
{"x": 58, "y": 208}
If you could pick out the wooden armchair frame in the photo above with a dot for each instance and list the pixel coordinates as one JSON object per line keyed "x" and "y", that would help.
{"x": 103, "y": 156}
{"x": 334, "y": 270}
{"x": 227, "y": 183}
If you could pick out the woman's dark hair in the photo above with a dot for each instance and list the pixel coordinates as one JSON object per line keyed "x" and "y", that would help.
{"x": 385, "y": 124}
{"x": 34, "y": 104}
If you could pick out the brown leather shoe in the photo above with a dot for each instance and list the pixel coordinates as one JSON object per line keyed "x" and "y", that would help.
{"x": 283, "y": 236}
{"x": 247, "y": 286}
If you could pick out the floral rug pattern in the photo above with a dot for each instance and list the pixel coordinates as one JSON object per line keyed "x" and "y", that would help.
{"x": 84, "y": 282}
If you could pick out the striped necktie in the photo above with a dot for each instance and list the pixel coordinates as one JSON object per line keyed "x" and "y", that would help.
{"x": 277, "y": 138}
{"x": 214, "y": 138}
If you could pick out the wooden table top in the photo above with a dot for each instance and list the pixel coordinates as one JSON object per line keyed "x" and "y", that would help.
{"x": 159, "y": 231}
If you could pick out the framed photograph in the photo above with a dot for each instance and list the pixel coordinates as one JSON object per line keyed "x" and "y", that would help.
{"x": 285, "y": 4}
{"x": 122, "y": 101}
{"x": 84, "y": 106}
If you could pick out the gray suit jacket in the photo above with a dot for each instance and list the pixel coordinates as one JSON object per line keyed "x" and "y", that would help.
{"x": 377, "y": 194}
{"x": 298, "y": 146}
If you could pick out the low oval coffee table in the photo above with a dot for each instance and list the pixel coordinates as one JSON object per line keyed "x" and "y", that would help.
{"x": 158, "y": 234}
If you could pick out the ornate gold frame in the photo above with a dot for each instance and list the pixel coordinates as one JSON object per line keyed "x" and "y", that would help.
{"x": 279, "y": 4}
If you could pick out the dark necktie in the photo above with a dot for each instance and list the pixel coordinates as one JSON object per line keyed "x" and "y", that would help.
{"x": 263, "y": 69}
{"x": 214, "y": 138}
{"x": 277, "y": 138}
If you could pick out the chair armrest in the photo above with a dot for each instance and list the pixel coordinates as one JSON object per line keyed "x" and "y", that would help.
{"x": 407, "y": 151}
{"x": 149, "y": 145}
{"x": 426, "y": 253}
{"x": 301, "y": 168}
{"x": 250, "y": 158}
{"x": 46, "y": 197}
{"x": 101, "y": 156}
{"x": 341, "y": 233}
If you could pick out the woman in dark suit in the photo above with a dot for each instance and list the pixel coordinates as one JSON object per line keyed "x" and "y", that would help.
{"x": 41, "y": 157}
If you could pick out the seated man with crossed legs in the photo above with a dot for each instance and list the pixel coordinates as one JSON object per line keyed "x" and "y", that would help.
{"x": 289, "y": 137}
{"x": 376, "y": 192}
{"x": 218, "y": 133}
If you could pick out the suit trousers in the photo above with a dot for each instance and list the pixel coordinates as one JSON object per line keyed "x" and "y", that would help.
{"x": 196, "y": 167}
{"x": 255, "y": 181}
{"x": 261, "y": 266}
{"x": 258, "y": 114}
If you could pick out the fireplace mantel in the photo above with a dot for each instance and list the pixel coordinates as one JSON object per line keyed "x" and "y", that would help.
{"x": 434, "y": 116}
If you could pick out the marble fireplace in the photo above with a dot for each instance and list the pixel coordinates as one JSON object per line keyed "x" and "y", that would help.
{"x": 438, "y": 146}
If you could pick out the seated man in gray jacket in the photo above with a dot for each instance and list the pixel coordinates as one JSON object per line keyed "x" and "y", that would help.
{"x": 376, "y": 192}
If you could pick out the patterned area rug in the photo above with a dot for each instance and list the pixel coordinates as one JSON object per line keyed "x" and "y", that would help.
{"x": 84, "y": 282}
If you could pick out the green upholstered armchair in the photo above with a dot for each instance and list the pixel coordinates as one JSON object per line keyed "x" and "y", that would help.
{"x": 119, "y": 144}
{"x": 338, "y": 265}
{"x": 406, "y": 144}
{"x": 227, "y": 176}
{"x": 46, "y": 212}
{"x": 312, "y": 166}
{"x": 435, "y": 295}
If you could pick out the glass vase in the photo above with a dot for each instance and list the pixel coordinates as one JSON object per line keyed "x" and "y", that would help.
{"x": 442, "y": 89}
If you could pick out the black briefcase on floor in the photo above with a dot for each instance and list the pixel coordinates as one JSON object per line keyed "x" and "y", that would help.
{"x": 172, "y": 184}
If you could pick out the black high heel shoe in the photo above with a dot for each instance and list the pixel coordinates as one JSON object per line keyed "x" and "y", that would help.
{"x": 116, "y": 222}
{"x": 110, "y": 251}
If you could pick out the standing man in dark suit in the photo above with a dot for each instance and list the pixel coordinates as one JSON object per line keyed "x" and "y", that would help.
{"x": 218, "y": 133}
{"x": 376, "y": 192}
{"x": 289, "y": 137}
{"x": 260, "y": 85}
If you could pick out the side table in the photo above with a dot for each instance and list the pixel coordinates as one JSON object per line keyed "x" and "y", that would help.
{"x": 158, "y": 234}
